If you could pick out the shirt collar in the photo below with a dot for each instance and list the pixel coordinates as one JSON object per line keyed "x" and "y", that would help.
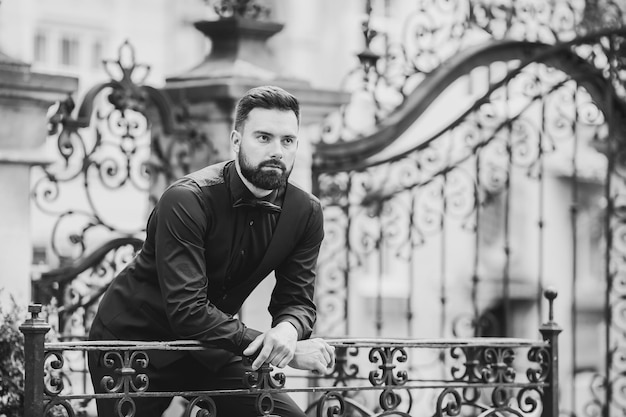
{"x": 238, "y": 189}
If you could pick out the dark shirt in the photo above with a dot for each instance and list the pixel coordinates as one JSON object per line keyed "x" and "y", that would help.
{"x": 254, "y": 228}
{"x": 202, "y": 258}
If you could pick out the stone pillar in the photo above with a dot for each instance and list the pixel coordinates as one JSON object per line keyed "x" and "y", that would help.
{"x": 25, "y": 98}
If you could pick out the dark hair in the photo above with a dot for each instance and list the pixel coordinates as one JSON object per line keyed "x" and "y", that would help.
{"x": 266, "y": 97}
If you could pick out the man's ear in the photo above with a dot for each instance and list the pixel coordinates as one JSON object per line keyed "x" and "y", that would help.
{"x": 235, "y": 140}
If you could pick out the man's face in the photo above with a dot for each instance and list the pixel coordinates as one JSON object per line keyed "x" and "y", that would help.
{"x": 266, "y": 147}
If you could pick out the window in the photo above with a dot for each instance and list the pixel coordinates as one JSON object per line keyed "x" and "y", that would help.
{"x": 69, "y": 52}
{"x": 41, "y": 44}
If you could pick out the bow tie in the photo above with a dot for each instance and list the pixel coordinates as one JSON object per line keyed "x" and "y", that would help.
{"x": 262, "y": 204}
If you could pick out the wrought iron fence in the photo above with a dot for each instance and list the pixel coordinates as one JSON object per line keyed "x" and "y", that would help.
{"x": 372, "y": 377}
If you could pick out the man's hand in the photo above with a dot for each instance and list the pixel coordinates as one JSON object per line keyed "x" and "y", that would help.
{"x": 277, "y": 345}
{"x": 313, "y": 355}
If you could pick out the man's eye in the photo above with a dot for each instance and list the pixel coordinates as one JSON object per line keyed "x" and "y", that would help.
{"x": 288, "y": 141}
{"x": 264, "y": 138}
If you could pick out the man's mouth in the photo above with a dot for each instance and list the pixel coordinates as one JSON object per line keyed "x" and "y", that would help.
{"x": 274, "y": 166}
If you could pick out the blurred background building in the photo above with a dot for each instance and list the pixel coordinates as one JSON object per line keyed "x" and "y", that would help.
{"x": 467, "y": 154}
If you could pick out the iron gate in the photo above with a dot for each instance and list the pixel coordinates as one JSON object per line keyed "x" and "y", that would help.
{"x": 494, "y": 170}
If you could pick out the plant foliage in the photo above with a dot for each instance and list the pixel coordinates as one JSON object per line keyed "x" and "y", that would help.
{"x": 11, "y": 361}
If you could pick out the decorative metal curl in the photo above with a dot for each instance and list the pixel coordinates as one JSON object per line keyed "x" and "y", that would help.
{"x": 470, "y": 325}
{"x": 262, "y": 378}
{"x": 205, "y": 403}
{"x": 264, "y": 404}
{"x": 53, "y": 383}
{"x": 127, "y": 378}
{"x": 527, "y": 401}
{"x": 132, "y": 408}
{"x": 338, "y": 410}
{"x": 497, "y": 365}
{"x": 343, "y": 370}
{"x": 618, "y": 313}
{"x": 472, "y": 363}
{"x": 386, "y": 355}
{"x": 542, "y": 357}
{"x": 129, "y": 94}
{"x": 500, "y": 396}
{"x": 389, "y": 400}
{"x": 49, "y": 411}
{"x": 451, "y": 407}
{"x": 595, "y": 406}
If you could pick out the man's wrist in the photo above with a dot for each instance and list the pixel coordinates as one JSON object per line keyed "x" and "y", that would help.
{"x": 286, "y": 324}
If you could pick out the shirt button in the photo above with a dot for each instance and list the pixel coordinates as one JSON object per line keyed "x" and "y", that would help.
{"x": 251, "y": 222}
{"x": 243, "y": 252}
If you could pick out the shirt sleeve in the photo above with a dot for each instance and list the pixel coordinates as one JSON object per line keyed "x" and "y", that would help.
{"x": 292, "y": 298}
{"x": 182, "y": 222}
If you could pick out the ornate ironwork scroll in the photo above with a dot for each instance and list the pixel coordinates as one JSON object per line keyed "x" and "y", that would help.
{"x": 388, "y": 400}
{"x": 494, "y": 368}
{"x": 331, "y": 404}
{"x": 263, "y": 380}
{"x": 125, "y": 378}
{"x": 99, "y": 184}
{"x": 344, "y": 371}
{"x": 62, "y": 378}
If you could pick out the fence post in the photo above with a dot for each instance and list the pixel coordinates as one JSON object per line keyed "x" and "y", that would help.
{"x": 34, "y": 330}
{"x": 550, "y": 332}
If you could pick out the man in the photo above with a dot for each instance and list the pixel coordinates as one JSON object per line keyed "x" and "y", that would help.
{"x": 211, "y": 239}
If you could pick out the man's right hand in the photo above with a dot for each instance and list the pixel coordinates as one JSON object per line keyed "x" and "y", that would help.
{"x": 313, "y": 355}
{"x": 276, "y": 346}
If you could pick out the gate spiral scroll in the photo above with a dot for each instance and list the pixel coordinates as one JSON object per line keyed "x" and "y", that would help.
{"x": 332, "y": 404}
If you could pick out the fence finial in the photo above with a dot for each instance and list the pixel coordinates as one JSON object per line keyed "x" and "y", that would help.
{"x": 550, "y": 293}
{"x": 34, "y": 310}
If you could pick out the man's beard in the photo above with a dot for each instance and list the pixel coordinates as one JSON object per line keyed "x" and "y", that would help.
{"x": 264, "y": 179}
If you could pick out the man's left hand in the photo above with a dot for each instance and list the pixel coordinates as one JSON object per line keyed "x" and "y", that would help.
{"x": 277, "y": 345}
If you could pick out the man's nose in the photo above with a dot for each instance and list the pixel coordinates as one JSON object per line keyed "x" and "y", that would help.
{"x": 276, "y": 149}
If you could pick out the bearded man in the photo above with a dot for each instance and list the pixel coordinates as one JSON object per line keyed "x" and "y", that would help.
{"x": 213, "y": 236}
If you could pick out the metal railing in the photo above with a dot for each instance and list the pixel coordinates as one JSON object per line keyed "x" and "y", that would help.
{"x": 371, "y": 377}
